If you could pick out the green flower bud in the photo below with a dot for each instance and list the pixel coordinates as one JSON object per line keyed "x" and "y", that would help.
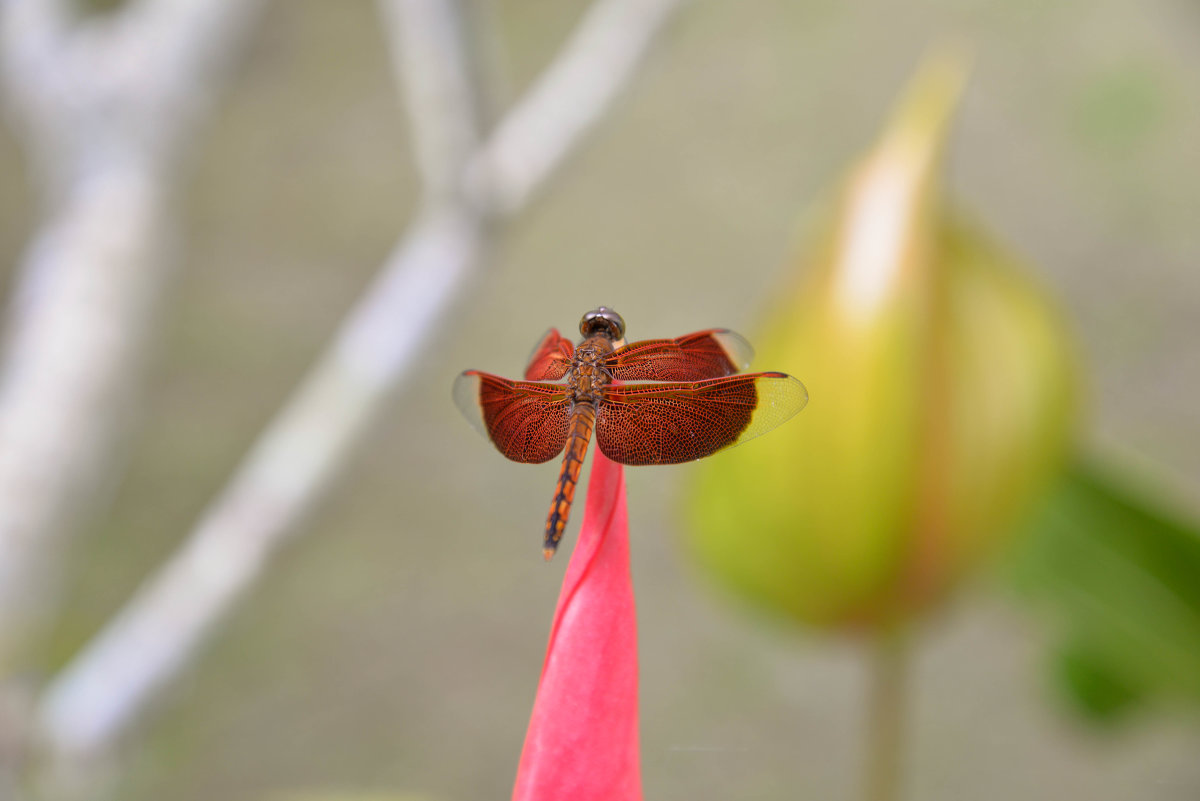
{"x": 941, "y": 390}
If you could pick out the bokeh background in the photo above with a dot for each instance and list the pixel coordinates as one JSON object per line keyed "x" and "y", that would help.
{"x": 396, "y": 646}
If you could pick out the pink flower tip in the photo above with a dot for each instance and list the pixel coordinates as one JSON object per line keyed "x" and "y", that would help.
{"x": 582, "y": 743}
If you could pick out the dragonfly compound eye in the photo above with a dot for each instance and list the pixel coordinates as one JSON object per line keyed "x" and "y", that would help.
{"x": 602, "y": 319}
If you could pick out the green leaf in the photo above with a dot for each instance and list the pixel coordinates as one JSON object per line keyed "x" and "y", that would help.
{"x": 1119, "y": 574}
{"x": 1097, "y": 686}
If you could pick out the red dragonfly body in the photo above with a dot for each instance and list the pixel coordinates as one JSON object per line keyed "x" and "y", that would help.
{"x": 692, "y": 403}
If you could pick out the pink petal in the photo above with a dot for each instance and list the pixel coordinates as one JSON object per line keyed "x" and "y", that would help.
{"x": 582, "y": 743}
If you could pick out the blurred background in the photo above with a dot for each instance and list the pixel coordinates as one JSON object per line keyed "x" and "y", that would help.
{"x": 395, "y": 646}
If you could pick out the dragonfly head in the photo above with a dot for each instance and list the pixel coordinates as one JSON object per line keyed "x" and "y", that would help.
{"x": 602, "y": 320}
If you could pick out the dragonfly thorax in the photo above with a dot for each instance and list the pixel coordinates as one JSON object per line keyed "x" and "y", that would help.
{"x": 588, "y": 376}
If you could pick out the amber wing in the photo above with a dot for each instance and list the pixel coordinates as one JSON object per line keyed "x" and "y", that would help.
{"x": 527, "y": 421}
{"x": 679, "y": 422}
{"x": 551, "y": 358}
{"x": 704, "y": 354}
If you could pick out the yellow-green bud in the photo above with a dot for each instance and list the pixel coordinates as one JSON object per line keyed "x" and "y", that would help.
{"x": 941, "y": 398}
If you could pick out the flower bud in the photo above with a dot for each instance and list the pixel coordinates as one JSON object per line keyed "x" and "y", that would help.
{"x": 941, "y": 395}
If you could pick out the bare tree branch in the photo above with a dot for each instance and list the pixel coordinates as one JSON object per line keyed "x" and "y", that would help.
{"x": 121, "y": 90}
{"x": 33, "y": 47}
{"x": 110, "y": 682}
{"x": 566, "y": 101}
{"x": 105, "y": 104}
{"x": 429, "y": 58}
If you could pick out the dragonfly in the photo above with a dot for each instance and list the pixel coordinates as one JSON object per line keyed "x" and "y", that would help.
{"x": 658, "y": 401}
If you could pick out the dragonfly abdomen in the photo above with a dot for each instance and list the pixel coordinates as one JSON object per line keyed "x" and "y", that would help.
{"x": 583, "y": 420}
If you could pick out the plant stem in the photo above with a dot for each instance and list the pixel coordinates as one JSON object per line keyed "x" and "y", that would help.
{"x": 885, "y": 722}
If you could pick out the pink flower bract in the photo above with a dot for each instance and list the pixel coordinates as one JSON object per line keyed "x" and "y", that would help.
{"x": 582, "y": 743}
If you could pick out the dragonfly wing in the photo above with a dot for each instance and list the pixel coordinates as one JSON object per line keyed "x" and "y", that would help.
{"x": 678, "y": 422}
{"x": 551, "y": 358}
{"x": 704, "y": 354}
{"x": 527, "y": 421}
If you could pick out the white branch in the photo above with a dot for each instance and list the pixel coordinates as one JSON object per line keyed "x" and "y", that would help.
{"x": 431, "y": 67}
{"x": 152, "y": 639}
{"x": 92, "y": 274}
{"x": 104, "y": 106}
{"x": 32, "y": 42}
{"x": 566, "y": 101}
{"x": 122, "y": 89}
{"x": 109, "y": 683}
